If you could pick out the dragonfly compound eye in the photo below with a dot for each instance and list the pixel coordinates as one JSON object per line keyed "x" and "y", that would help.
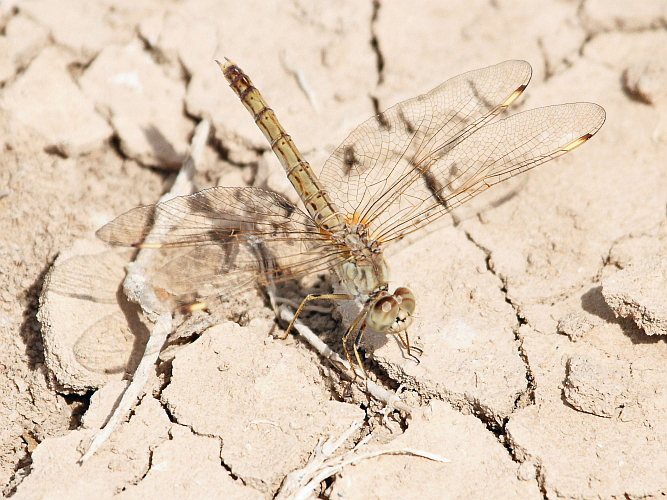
{"x": 383, "y": 314}
{"x": 405, "y": 299}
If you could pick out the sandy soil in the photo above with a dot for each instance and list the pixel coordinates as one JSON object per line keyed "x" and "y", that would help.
{"x": 541, "y": 309}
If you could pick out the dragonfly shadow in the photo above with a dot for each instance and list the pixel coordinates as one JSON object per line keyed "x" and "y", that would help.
{"x": 380, "y": 339}
{"x": 162, "y": 149}
{"x": 490, "y": 200}
{"x": 115, "y": 342}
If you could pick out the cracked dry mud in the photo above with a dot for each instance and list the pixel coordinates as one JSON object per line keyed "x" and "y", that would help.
{"x": 540, "y": 311}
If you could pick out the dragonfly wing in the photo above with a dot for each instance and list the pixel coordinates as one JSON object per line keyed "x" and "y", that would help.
{"x": 491, "y": 155}
{"x": 225, "y": 239}
{"x": 231, "y": 267}
{"x": 208, "y": 216}
{"x": 375, "y": 160}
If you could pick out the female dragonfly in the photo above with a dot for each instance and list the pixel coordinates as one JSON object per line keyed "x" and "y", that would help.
{"x": 397, "y": 172}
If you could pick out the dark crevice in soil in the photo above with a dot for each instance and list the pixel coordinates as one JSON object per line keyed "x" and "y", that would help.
{"x": 114, "y": 142}
{"x": 490, "y": 422}
{"x": 520, "y": 321}
{"x": 525, "y": 398}
{"x": 587, "y": 39}
{"x": 56, "y": 150}
{"x": 153, "y": 51}
{"x": 228, "y": 468}
{"x": 79, "y": 404}
{"x": 186, "y": 76}
{"x": 174, "y": 420}
{"x": 11, "y": 12}
{"x": 539, "y": 477}
{"x": 548, "y": 67}
{"x": 164, "y": 372}
{"x": 170, "y": 416}
{"x": 148, "y": 469}
{"x": 77, "y": 68}
{"x": 376, "y": 105}
{"x": 548, "y": 72}
{"x": 22, "y": 470}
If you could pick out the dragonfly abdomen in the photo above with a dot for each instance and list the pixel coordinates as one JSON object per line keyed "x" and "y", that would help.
{"x": 298, "y": 170}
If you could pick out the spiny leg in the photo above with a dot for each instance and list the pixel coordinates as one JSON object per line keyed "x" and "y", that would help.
{"x": 355, "y": 346}
{"x": 409, "y": 348}
{"x": 361, "y": 316}
{"x": 309, "y": 297}
{"x": 295, "y": 305}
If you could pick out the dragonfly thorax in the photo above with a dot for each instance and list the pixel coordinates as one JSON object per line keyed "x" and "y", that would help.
{"x": 364, "y": 272}
{"x": 364, "y": 277}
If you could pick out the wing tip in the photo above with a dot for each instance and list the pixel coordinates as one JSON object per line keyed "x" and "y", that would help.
{"x": 194, "y": 307}
{"x": 104, "y": 233}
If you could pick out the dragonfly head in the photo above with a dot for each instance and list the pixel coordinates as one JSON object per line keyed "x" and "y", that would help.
{"x": 392, "y": 313}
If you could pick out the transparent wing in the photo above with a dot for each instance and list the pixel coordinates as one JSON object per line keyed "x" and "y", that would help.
{"x": 374, "y": 164}
{"x": 208, "y": 216}
{"x": 238, "y": 237}
{"x": 491, "y": 155}
{"x": 230, "y": 267}
{"x": 423, "y": 157}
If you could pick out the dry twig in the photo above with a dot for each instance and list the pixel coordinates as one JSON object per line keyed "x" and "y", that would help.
{"x": 136, "y": 290}
{"x": 300, "y": 484}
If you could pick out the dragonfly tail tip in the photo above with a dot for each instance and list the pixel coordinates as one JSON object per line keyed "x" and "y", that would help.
{"x": 226, "y": 64}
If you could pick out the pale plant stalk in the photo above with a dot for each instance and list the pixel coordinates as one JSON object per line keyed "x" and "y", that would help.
{"x": 301, "y": 483}
{"x": 135, "y": 288}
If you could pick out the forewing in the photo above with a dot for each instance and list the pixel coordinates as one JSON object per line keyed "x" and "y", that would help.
{"x": 239, "y": 237}
{"x": 491, "y": 155}
{"x": 208, "y": 216}
{"x": 375, "y": 163}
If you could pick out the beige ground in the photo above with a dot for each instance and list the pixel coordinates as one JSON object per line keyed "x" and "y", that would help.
{"x": 529, "y": 383}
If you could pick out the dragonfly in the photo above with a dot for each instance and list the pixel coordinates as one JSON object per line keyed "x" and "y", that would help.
{"x": 395, "y": 173}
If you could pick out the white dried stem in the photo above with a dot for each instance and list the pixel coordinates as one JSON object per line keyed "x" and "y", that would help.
{"x": 335, "y": 465}
{"x": 137, "y": 291}
{"x": 301, "y": 484}
{"x": 295, "y": 480}
{"x": 159, "y": 333}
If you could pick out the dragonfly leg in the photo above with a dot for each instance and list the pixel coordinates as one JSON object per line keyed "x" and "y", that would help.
{"x": 357, "y": 340}
{"x": 309, "y": 297}
{"x": 295, "y": 305}
{"x": 410, "y": 348}
{"x": 355, "y": 346}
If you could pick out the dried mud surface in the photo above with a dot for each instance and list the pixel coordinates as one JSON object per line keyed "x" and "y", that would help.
{"x": 540, "y": 308}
